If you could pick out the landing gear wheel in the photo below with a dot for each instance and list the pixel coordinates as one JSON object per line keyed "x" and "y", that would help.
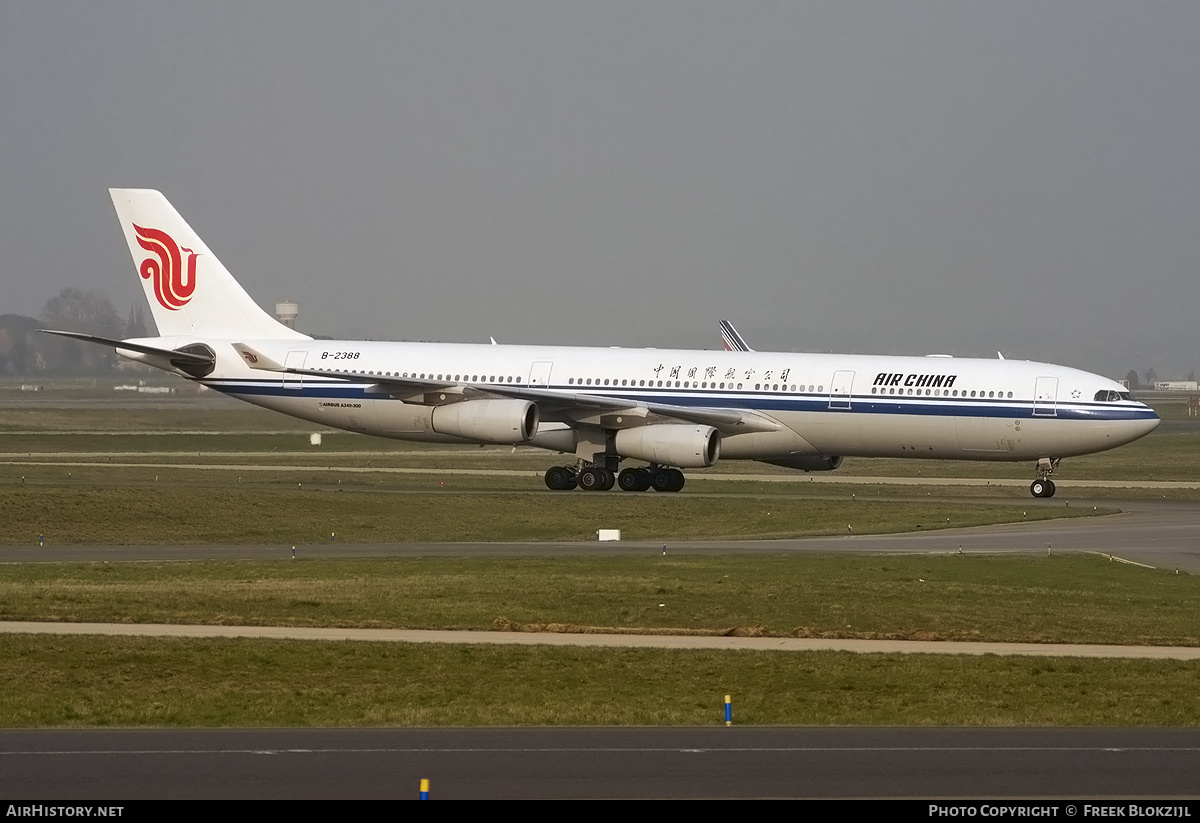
{"x": 596, "y": 479}
{"x": 1042, "y": 488}
{"x": 560, "y": 478}
{"x": 668, "y": 480}
{"x": 635, "y": 480}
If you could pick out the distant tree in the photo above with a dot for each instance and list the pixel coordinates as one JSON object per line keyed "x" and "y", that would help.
{"x": 1151, "y": 378}
{"x": 89, "y": 312}
{"x": 1192, "y": 375}
{"x": 19, "y": 340}
{"x": 1131, "y": 380}
{"x": 85, "y": 311}
{"x": 135, "y": 324}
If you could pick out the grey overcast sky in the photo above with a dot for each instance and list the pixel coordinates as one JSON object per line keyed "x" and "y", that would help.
{"x": 893, "y": 177}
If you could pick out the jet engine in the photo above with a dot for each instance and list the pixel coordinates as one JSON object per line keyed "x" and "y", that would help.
{"x": 671, "y": 444}
{"x": 491, "y": 421}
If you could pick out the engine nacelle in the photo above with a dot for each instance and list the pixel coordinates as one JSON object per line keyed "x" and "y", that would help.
{"x": 489, "y": 421}
{"x": 671, "y": 444}
{"x": 808, "y": 463}
{"x": 555, "y": 437}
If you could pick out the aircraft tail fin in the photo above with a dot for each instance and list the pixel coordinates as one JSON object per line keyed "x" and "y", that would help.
{"x": 732, "y": 340}
{"x": 190, "y": 293}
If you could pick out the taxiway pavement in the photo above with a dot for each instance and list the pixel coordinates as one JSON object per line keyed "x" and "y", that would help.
{"x": 1156, "y": 765}
{"x": 1160, "y": 533}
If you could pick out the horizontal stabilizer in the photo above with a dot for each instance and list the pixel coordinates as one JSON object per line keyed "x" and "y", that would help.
{"x": 195, "y": 358}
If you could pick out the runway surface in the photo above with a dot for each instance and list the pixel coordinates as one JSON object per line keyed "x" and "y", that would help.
{"x": 602, "y": 763}
{"x": 1087, "y": 764}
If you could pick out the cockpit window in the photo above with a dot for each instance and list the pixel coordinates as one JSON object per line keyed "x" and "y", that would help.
{"x": 1106, "y": 396}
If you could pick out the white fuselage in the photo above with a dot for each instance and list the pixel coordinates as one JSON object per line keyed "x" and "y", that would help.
{"x": 672, "y": 409}
{"x": 827, "y": 405}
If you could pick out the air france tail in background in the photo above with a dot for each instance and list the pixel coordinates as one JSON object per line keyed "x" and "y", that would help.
{"x": 665, "y": 409}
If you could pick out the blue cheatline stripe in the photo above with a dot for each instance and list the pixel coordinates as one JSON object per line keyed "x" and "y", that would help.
{"x": 749, "y": 401}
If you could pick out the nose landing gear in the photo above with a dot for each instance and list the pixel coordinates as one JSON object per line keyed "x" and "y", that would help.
{"x": 1044, "y": 486}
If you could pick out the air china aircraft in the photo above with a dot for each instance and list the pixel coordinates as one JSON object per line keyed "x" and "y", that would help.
{"x": 670, "y": 409}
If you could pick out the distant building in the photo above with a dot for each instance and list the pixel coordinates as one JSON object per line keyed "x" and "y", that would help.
{"x": 286, "y": 313}
{"x": 1177, "y": 385}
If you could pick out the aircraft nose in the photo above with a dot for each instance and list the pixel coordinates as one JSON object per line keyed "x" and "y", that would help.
{"x": 1143, "y": 426}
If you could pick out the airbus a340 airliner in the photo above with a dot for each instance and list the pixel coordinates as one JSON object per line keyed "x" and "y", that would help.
{"x": 671, "y": 409}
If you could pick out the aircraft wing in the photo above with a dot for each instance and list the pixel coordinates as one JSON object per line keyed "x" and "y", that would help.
{"x": 555, "y": 404}
{"x": 727, "y": 421}
{"x": 390, "y": 382}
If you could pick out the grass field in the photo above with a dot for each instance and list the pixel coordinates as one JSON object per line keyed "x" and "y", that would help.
{"x": 1061, "y": 599}
{"x": 170, "y": 473}
{"x": 218, "y": 430}
{"x": 130, "y": 682}
{"x": 157, "y": 474}
{"x": 172, "y": 512}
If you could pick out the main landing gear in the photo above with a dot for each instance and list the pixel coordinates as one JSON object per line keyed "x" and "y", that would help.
{"x": 594, "y": 478}
{"x": 1044, "y": 486}
{"x": 561, "y": 478}
{"x": 651, "y": 477}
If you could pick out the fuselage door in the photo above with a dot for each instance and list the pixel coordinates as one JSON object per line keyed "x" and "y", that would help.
{"x": 1045, "y": 397}
{"x": 839, "y": 389}
{"x": 295, "y": 360}
{"x": 539, "y": 373}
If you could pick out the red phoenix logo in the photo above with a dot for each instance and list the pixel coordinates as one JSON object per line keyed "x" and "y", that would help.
{"x": 172, "y": 289}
